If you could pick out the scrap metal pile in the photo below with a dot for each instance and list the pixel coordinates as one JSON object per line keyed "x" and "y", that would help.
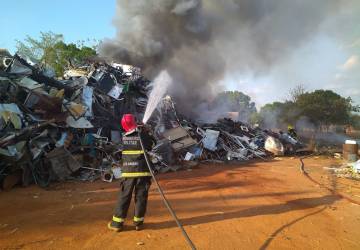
{"x": 53, "y": 129}
{"x": 224, "y": 140}
{"x": 61, "y": 129}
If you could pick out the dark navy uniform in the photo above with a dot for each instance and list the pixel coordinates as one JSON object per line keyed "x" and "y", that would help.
{"x": 135, "y": 177}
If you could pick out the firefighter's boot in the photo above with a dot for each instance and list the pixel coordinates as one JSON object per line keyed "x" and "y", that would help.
{"x": 116, "y": 224}
{"x": 139, "y": 225}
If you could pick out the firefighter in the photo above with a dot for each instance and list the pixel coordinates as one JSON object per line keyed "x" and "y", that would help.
{"x": 135, "y": 175}
{"x": 292, "y": 131}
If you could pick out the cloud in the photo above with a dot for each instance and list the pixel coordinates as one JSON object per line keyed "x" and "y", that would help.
{"x": 351, "y": 63}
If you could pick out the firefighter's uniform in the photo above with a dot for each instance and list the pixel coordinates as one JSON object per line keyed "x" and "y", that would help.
{"x": 292, "y": 131}
{"x": 135, "y": 177}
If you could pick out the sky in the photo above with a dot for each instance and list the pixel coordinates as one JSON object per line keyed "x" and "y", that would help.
{"x": 329, "y": 60}
{"x": 76, "y": 20}
{"x": 322, "y": 63}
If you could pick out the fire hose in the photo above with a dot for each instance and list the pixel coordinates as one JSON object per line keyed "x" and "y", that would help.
{"x": 331, "y": 190}
{"x": 167, "y": 204}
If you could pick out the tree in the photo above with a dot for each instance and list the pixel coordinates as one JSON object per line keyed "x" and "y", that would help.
{"x": 355, "y": 121}
{"x": 296, "y": 92}
{"x": 41, "y": 49}
{"x": 51, "y": 51}
{"x": 321, "y": 108}
{"x": 324, "y": 108}
{"x": 278, "y": 115}
{"x": 235, "y": 101}
{"x": 70, "y": 55}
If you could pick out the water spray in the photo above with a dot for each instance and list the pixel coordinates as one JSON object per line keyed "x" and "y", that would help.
{"x": 160, "y": 86}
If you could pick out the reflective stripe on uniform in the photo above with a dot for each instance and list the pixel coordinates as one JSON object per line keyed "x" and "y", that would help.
{"x": 132, "y": 152}
{"x": 118, "y": 219}
{"x": 138, "y": 219}
{"x": 137, "y": 174}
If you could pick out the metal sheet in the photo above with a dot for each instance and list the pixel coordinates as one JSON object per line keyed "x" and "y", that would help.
{"x": 210, "y": 139}
{"x": 80, "y": 123}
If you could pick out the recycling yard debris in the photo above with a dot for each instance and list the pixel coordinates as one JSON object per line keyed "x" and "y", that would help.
{"x": 180, "y": 124}
{"x": 69, "y": 129}
{"x": 55, "y": 129}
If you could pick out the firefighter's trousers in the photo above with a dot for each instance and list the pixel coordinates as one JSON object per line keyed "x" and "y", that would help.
{"x": 140, "y": 187}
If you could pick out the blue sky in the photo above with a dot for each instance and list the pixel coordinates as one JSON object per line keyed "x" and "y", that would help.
{"x": 76, "y": 19}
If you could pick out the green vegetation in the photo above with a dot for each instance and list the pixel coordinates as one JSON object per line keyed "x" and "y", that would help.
{"x": 355, "y": 121}
{"x": 277, "y": 114}
{"x": 236, "y": 101}
{"x": 51, "y": 51}
{"x": 321, "y": 108}
{"x": 324, "y": 108}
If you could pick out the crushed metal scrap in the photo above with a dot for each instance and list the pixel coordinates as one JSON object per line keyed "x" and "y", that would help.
{"x": 63, "y": 129}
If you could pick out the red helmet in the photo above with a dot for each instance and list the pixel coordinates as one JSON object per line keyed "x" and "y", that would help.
{"x": 128, "y": 122}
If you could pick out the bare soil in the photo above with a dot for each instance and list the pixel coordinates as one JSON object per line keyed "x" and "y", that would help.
{"x": 255, "y": 205}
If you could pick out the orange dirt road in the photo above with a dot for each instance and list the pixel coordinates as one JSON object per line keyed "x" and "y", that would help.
{"x": 255, "y": 205}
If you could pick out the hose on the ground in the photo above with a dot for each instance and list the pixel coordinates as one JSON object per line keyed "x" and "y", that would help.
{"x": 167, "y": 204}
{"x": 333, "y": 191}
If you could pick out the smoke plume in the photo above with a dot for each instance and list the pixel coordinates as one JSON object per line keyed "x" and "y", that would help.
{"x": 198, "y": 42}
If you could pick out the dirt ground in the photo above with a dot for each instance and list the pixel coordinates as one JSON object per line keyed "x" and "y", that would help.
{"x": 255, "y": 205}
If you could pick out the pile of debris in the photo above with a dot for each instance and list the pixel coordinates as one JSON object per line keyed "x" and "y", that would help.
{"x": 60, "y": 129}
{"x": 52, "y": 128}
{"x": 224, "y": 140}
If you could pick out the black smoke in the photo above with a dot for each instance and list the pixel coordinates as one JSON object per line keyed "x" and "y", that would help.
{"x": 198, "y": 42}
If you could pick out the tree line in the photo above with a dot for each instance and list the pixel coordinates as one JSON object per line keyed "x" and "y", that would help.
{"x": 318, "y": 109}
